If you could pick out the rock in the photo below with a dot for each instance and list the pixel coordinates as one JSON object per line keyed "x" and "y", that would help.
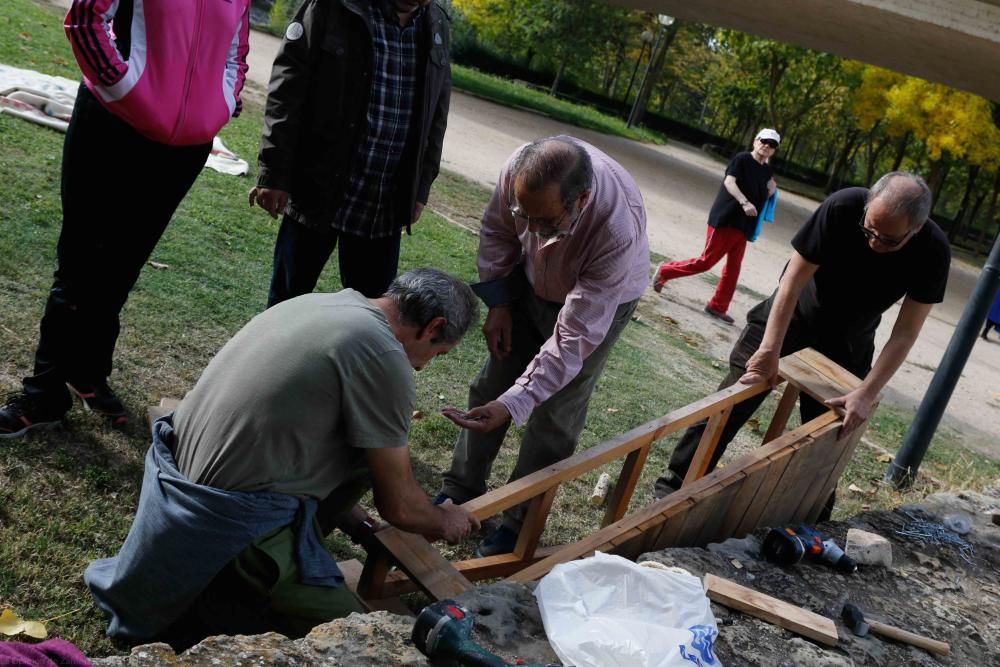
{"x": 507, "y": 621}
{"x": 868, "y": 548}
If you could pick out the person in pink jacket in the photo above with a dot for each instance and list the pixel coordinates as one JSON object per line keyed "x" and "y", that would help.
{"x": 160, "y": 79}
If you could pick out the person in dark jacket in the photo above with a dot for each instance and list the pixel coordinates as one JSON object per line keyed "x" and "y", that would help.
{"x": 356, "y": 114}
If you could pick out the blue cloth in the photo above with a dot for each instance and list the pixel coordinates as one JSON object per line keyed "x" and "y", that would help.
{"x": 766, "y": 214}
{"x": 994, "y": 315}
{"x": 183, "y": 534}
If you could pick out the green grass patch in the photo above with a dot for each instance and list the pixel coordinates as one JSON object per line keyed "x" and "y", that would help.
{"x": 68, "y": 496}
{"x": 520, "y": 94}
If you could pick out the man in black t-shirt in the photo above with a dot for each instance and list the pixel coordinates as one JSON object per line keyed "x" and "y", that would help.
{"x": 859, "y": 253}
{"x": 733, "y": 219}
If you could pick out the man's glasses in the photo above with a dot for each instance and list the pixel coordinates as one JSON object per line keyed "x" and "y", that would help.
{"x": 770, "y": 143}
{"x": 541, "y": 223}
{"x": 886, "y": 241}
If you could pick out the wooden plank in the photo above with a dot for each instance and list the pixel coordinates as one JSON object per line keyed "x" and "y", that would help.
{"x": 373, "y": 574}
{"x": 830, "y": 369}
{"x": 351, "y": 569}
{"x": 534, "y": 524}
{"x": 540, "y": 481}
{"x": 802, "y": 375}
{"x": 423, "y": 563}
{"x": 621, "y": 495}
{"x": 655, "y": 514}
{"x": 695, "y": 518}
{"x": 399, "y": 583}
{"x": 825, "y": 463}
{"x": 712, "y": 523}
{"x": 828, "y": 487}
{"x": 706, "y": 446}
{"x": 775, "y": 471}
{"x": 755, "y": 474}
{"x": 782, "y": 413}
{"x": 780, "y": 506}
{"x": 781, "y": 613}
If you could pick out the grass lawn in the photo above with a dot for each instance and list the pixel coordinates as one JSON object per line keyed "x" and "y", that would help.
{"x": 67, "y": 496}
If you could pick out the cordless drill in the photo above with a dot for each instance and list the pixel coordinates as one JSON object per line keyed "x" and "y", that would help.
{"x": 442, "y": 631}
{"x": 787, "y": 546}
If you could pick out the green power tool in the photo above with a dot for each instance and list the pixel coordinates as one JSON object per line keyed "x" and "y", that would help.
{"x": 442, "y": 632}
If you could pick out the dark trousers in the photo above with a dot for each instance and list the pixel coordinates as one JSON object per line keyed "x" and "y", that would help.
{"x": 301, "y": 252}
{"x": 854, "y": 355}
{"x": 119, "y": 191}
{"x": 554, "y": 427}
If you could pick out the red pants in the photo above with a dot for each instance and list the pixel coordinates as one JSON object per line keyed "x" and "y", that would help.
{"x": 725, "y": 241}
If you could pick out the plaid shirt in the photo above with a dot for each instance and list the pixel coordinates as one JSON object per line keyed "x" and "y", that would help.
{"x": 366, "y": 209}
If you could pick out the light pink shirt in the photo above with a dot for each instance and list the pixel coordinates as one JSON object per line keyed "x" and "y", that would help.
{"x": 601, "y": 264}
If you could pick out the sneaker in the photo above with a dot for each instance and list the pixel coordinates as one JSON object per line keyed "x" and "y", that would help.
{"x": 718, "y": 314}
{"x": 21, "y": 414}
{"x": 502, "y": 541}
{"x": 658, "y": 280}
{"x": 667, "y": 484}
{"x": 100, "y": 399}
{"x": 441, "y": 497}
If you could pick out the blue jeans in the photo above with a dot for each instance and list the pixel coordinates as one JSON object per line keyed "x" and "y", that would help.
{"x": 301, "y": 252}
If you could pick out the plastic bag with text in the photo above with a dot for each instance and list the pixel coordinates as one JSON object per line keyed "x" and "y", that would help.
{"x": 606, "y": 611}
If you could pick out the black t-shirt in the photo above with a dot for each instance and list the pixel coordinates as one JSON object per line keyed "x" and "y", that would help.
{"x": 854, "y": 284}
{"x": 751, "y": 178}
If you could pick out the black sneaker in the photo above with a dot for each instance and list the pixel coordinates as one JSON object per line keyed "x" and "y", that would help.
{"x": 502, "y": 541}
{"x": 667, "y": 484}
{"x": 100, "y": 399}
{"x": 21, "y": 413}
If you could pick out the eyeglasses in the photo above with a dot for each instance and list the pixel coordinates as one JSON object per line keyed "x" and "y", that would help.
{"x": 546, "y": 224}
{"x": 770, "y": 143}
{"x": 886, "y": 241}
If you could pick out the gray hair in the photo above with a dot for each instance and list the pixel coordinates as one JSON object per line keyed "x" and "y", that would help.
{"x": 555, "y": 160}
{"x": 905, "y": 194}
{"x": 423, "y": 294}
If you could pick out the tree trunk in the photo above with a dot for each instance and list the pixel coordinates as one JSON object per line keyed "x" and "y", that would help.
{"x": 559, "y": 73}
{"x": 901, "y": 151}
{"x": 657, "y": 58}
{"x": 836, "y": 174}
{"x": 970, "y": 183}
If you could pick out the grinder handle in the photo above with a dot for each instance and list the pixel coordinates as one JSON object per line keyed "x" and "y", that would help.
{"x": 892, "y": 632}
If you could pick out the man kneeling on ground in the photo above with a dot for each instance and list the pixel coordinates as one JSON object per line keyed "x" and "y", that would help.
{"x": 297, "y": 416}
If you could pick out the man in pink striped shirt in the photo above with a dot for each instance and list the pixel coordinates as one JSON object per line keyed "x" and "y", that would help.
{"x": 564, "y": 258}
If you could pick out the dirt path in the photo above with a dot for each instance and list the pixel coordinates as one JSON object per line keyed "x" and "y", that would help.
{"x": 679, "y": 183}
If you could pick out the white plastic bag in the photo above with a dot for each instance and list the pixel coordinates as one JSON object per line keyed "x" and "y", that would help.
{"x": 607, "y": 611}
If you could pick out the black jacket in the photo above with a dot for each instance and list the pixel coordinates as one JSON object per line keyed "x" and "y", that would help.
{"x": 317, "y": 105}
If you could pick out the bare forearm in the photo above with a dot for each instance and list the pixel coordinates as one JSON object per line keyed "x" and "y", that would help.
{"x": 734, "y": 190}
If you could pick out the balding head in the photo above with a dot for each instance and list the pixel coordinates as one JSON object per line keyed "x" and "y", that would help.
{"x": 902, "y": 194}
{"x": 554, "y": 160}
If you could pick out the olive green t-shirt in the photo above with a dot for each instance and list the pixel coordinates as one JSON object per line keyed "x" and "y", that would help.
{"x": 292, "y": 400}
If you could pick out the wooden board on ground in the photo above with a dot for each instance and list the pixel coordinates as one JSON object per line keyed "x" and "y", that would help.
{"x": 802, "y": 621}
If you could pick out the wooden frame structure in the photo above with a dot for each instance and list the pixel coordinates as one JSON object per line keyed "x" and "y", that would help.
{"x": 787, "y": 479}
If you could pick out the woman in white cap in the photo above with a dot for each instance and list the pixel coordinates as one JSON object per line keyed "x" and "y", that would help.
{"x": 748, "y": 182}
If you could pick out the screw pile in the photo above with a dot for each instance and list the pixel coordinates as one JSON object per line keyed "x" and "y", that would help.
{"x": 930, "y": 532}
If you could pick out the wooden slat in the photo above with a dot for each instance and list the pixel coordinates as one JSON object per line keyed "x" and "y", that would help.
{"x": 351, "y": 569}
{"x": 802, "y": 375}
{"x": 788, "y": 493}
{"x": 370, "y": 584}
{"x": 435, "y": 575}
{"x": 694, "y": 519}
{"x": 540, "y": 481}
{"x": 782, "y": 413}
{"x": 826, "y": 462}
{"x": 534, "y": 524}
{"x": 657, "y": 512}
{"x": 831, "y": 483}
{"x": 823, "y": 365}
{"x": 776, "y": 469}
{"x": 706, "y": 446}
{"x": 755, "y": 474}
{"x": 399, "y": 583}
{"x": 781, "y": 613}
{"x": 621, "y": 495}
{"x": 711, "y": 525}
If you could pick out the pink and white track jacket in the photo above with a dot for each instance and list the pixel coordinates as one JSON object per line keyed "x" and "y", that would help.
{"x": 186, "y": 63}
